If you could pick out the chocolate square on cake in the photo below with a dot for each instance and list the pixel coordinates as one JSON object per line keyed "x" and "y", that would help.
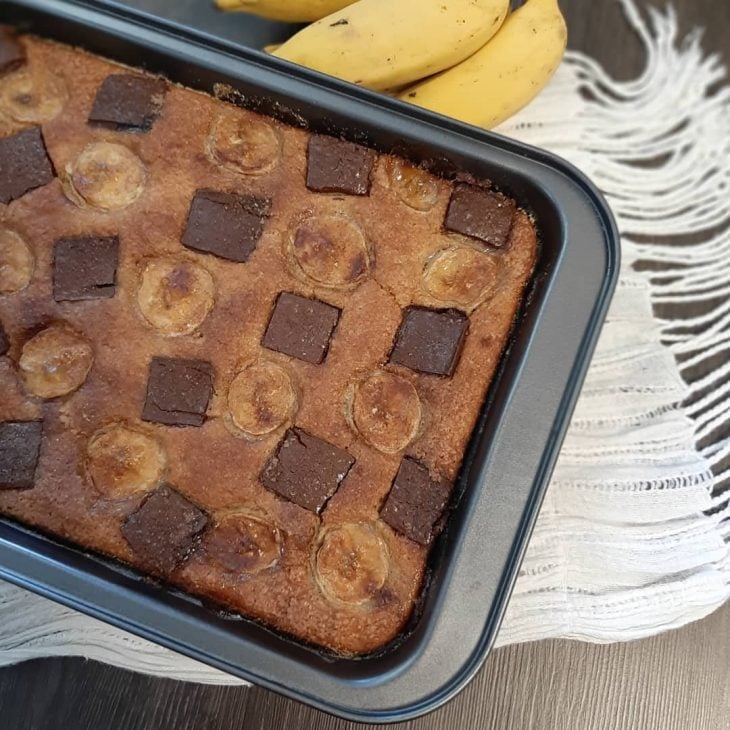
{"x": 85, "y": 268}
{"x": 225, "y": 224}
{"x": 430, "y": 340}
{"x": 306, "y": 470}
{"x": 20, "y": 446}
{"x": 163, "y": 530}
{"x": 481, "y": 214}
{"x": 178, "y": 391}
{"x": 24, "y": 164}
{"x": 126, "y": 102}
{"x": 416, "y": 502}
{"x": 336, "y": 166}
{"x": 301, "y": 327}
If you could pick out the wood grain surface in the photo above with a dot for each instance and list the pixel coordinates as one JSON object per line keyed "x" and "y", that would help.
{"x": 677, "y": 681}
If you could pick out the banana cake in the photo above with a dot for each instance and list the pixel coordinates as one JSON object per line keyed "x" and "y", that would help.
{"x": 241, "y": 357}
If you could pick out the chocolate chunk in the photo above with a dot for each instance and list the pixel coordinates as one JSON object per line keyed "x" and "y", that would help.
{"x": 24, "y": 164}
{"x": 12, "y": 53}
{"x": 301, "y": 327}
{"x": 416, "y": 502}
{"x": 178, "y": 391}
{"x": 225, "y": 224}
{"x": 306, "y": 470}
{"x": 128, "y": 103}
{"x": 4, "y": 341}
{"x": 85, "y": 268}
{"x": 480, "y": 214}
{"x": 20, "y": 446}
{"x": 163, "y": 530}
{"x": 430, "y": 340}
{"x": 335, "y": 166}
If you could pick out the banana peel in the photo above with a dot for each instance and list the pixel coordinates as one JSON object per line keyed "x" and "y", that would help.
{"x": 291, "y": 11}
{"x": 382, "y": 44}
{"x": 505, "y": 75}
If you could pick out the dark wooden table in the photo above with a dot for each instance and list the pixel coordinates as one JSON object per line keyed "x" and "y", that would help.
{"x": 678, "y": 681}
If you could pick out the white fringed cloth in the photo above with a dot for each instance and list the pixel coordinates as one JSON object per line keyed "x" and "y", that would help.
{"x": 633, "y": 537}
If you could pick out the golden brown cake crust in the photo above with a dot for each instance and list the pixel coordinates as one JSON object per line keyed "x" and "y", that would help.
{"x": 217, "y": 466}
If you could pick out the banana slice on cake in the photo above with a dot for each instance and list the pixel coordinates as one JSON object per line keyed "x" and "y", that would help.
{"x": 386, "y": 411}
{"x": 461, "y": 276}
{"x": 16, "y": 262}
{"x": 329, "y": 250}
{"x": 243, "y": 543}
{"x": 32, "y": 96}
{"x": 261, "y": 398}
{"x": 175, "y": 295}
{"x": 55, "y": 362}
{"x": 415, "y": 187}
{"x": 106, "y": 176}
{"x": 122, "y": 461}
{"x": 243, "y": 144}
{"x": 351, "y": 564}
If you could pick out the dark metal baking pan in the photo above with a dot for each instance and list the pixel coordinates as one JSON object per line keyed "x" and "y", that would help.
{"x": 475, "y": 561}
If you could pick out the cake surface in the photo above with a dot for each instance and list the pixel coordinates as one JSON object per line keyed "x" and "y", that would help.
{"x": 240, "y": 357}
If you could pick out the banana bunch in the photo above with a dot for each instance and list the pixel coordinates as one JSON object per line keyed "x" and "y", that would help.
{"x": 467, "y": 59}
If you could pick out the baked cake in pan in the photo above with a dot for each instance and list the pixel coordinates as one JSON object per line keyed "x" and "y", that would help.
{"x": 240, "y": 357}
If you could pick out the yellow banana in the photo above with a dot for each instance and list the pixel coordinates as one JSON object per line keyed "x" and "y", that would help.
{"x": 501, "y": 78}
{"x": 293, "y": 11}
{"x": 383, "y": 44}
